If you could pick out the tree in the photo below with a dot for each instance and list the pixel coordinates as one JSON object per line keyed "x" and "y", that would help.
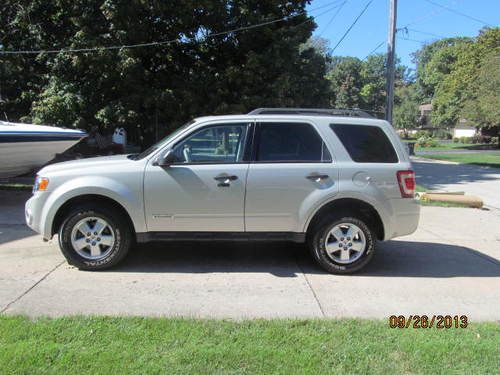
{"x": 433, "y": 62}
{"x": 356, "y": 83}
{"x": 482, "y": 102}
{"x": 406, "y": 111}
{"x": 159, "y": 86}
{"x": 461, "y": 84}
{"x": 345, "y": 82}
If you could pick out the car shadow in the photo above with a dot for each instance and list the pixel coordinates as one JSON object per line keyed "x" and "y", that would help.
{"x": 212, "y": 257}
{"x": 15, "y": 232}
{"x": 431, "y": 175}
{"x": 430, "y": 259}
{"x": 393, "y": 259}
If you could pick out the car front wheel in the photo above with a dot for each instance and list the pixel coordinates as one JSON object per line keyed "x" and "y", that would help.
{"x": 342, "y": 244}
{"x": 94, "y": 238}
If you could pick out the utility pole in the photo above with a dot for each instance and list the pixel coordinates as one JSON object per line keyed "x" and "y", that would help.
{"x": 391, "y": 47}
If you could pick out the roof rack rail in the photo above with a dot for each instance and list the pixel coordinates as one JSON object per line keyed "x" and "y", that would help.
{"x": 311, "y": 111}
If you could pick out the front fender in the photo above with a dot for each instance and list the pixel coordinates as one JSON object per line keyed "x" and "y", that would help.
{"x": 128, "y": 197}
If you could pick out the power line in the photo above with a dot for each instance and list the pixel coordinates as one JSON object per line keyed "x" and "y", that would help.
{"x": 333, "y": 17}
{"x": 457, "y": 12}
{"x": 412, "y": 40}
{"x": 430, "y": 15}
{"x": 352, "y": 25}
{"x": 319, "y": 15}
{"x": 377, "y": 47}
{"x": 421, "y": 32}
{"x": 158, "y": 43}
{"x": 402, "y": 37}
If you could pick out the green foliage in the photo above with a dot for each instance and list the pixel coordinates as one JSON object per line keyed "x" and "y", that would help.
{"x": 406, "y": 112}
{"x": 433, "y": 62}
{"x": 482, "y": 100}
{"x": 356, "y": 83}
{"x": 426, "y": 141}
{"x": 477, "y": 139}
{"x": 345, "y": 82}
{"x": 165, "y": 84}
{"x": 461, "y": 77}
{"x": 422, "y": 133}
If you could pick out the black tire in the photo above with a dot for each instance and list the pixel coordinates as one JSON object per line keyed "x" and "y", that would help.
{"x": 119, "y": 225}
{"x": 317, "y": 240}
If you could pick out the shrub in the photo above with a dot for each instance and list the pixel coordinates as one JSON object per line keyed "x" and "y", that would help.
{"x": 422, "y": 133}
{"x": 482, "y": 139}
{"x": 456, "y": 139}
{"x": 441, "y": 134}
{"x": 432, "y": 143}
{"x": 426, "y": 141}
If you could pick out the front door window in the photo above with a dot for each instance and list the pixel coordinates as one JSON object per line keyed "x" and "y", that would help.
{"x": 218, "y": 144}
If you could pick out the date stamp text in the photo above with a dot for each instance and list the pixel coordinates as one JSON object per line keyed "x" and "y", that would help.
{"x": 431, "y": 321}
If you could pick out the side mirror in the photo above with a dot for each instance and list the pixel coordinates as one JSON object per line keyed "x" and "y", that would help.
{"x": 168, "y": 158}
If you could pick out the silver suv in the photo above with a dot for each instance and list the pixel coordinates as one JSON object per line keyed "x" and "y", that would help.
{"x": 338, "y": 180}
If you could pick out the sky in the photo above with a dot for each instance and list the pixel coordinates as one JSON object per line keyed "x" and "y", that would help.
{"x": 425, "y": 21}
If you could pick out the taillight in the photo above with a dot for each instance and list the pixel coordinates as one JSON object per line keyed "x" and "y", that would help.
{"x": 406, "y": 181}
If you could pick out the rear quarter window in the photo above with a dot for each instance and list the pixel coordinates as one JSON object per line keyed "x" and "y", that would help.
{"x": 366, "y": 143}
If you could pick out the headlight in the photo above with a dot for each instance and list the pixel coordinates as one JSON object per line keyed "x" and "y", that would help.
{"x": 41, "y": 184}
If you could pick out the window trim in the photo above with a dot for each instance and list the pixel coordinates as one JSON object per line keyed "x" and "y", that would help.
{"x": 332, "y": 127}
{"x": 256, "y": 142}
{"x": 250, "y": 130}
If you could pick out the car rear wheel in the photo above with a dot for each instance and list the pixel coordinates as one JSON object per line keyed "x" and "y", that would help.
{"x": 94, "y": 238}
{"x": 342, "y": 244}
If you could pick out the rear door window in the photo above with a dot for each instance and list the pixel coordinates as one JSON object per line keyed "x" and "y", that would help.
{"x": 366, "y": 143}
{"x": 290, "y": 142}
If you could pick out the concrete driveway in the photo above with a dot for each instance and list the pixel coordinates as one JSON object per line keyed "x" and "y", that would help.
{"x": 473, "y": 179}
{"x": 449, "y": 266}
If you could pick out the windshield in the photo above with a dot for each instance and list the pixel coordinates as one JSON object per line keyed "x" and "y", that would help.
{"x": 159, "y": 144}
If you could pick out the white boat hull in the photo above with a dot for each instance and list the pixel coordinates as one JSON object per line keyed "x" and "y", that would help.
{"x": 25, "y": 147}
{"x": 23, "y": 157}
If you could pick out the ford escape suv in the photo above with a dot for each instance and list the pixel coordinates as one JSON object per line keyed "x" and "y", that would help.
{"x": 338, "y": 180}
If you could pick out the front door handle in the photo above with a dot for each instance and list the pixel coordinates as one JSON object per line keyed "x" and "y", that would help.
{"x": 225, "y": 180}
{"x": 317, "y": 177}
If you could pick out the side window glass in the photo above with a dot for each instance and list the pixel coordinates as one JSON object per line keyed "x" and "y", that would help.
{"x": 290, "y": 142}
{"x": 366, "y": 143}
{"x": 215, "y": 144}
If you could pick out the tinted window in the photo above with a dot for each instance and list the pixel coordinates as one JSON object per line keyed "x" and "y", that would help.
{"x": 214, "y": 144}
{"x": 285, "y": 142}
{"x": 366, "y": 144}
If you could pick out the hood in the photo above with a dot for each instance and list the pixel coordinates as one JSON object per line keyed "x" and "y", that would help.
{"x": 97, "y": 162}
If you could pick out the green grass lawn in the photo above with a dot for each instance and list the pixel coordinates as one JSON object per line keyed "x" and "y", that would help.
{"x": 101, "y": 345}
{"x": 442, "y": 204}
{"x": 489, "y": 159}
{"x": 458, "y": 146}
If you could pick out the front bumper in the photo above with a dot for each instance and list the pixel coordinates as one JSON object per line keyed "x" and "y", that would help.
{"x": 33, "y": 211}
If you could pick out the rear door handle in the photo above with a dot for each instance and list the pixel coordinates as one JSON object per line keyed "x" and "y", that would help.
{"x": 317, "y": 177}
{"x": 225, "y": 180}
